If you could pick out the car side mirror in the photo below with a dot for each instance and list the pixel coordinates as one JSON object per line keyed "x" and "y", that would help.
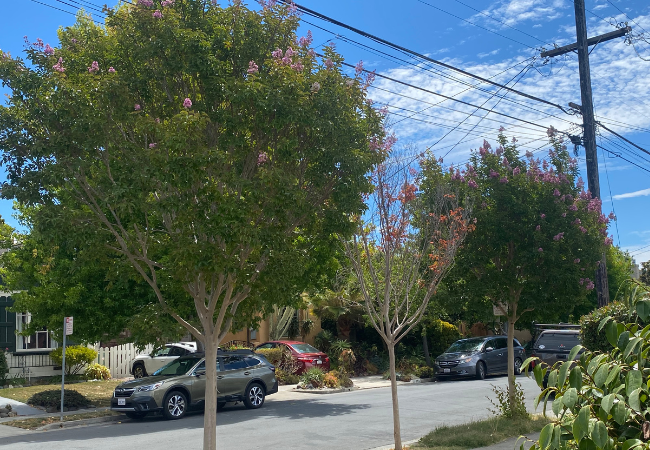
{"x": 199, "y": 373}
{"x": 488, "y": 349}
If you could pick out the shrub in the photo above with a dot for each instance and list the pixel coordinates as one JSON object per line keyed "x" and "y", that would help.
{"x": 76, "y": 357}
{"x": 323, "y": 340}
{"x": 274, "y": 355}
{"x": 344, "y": 379}
{"x": 440, "y": 335}
{"x": 347, "y": 359}
{"x": 313, "y": 377}
{"x": 591, "y": 337}
{"x": 52, "y": 398}
{"x": 281, "y": 359}
{"x": 601, "y": 400}
{"x": 4, "y": 368}
{"x": 330, "y": 380}
{"x": 97, "y": 372}
{"x": 285, "y": 378}
{"x": 425, "y": 372}
{"x": 502, "y": 405}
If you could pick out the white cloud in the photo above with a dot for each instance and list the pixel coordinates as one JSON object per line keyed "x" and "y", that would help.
{"x": 641, "y": 193}
{"x": 485, "y": 55}
{"x": 513, "y": 12}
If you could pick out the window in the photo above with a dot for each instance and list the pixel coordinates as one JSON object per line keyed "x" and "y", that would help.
{"x": 163, "y": 352}
{"x": 41, "y": 340}
{"x": 502, "y": 343}
{"x": 177, "y": 351}
{"x": 234, "y": 363}
{"x": 250, "y": 361}
{"x": 304, "y": 348}
{"x": 178, "y": 366}
{"x": 267, "y": 345}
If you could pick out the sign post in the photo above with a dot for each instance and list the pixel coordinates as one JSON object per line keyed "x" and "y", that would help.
{"x": 67, "y": 330}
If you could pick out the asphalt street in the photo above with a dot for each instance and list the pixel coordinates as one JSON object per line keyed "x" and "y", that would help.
{"x": 351, "y": 420}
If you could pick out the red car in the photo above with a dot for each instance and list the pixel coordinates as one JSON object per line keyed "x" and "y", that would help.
{"x": 306, "y": 355}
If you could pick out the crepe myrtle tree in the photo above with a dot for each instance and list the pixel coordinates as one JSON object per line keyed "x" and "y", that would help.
{"x": 401, "y": 252}
{"x": 538, "y": 238}
{"x": 209, "y": 147}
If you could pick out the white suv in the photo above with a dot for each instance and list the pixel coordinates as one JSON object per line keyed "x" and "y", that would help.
{"x": 145, "y": 365}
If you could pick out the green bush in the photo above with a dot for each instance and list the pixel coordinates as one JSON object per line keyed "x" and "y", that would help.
{"x": 76, "y": 357}
{"x": 313, "y": 377}
{"x": 97, "y": 372}
{"x": 600, "y": 401}
{"x": 595, "y": 340}
{"x": 323, "y": 340}
{"x": 274, "y": 355}
{"x": 4, "y": 368}
{"x": 52, "y": 398}
{"x": 440, "y": 335}
{"x": 285, "y": 378}
{"x": 425, "y": 372}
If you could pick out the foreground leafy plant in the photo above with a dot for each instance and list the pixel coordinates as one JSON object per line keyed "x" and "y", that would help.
{"x": 601, "y": 400}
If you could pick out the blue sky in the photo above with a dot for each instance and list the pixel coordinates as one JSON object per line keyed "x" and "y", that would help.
{"x": 487, "y": 38}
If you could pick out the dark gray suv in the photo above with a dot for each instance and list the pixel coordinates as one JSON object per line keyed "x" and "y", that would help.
{"x": 478, "y": 357}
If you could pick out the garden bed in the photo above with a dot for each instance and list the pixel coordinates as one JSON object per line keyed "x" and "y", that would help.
{"x": 98, "y": 392}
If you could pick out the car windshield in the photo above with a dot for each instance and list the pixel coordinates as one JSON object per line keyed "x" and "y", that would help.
{"x": 564, "y": 341}
{"x": 304, "y": 348}
{"x": 178, "y": 366}
{"x": 466, "y": 345}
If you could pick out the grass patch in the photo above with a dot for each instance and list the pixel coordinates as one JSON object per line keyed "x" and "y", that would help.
{"x": 479, "y": 434}
{"x": 32, "y": 424}
{"x": 98, "y": 392}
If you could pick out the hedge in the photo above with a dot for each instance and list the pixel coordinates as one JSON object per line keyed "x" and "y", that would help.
{"x": 596, "y": 341}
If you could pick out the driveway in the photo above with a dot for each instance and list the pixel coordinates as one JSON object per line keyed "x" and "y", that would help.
{"x": 352, "y": 420}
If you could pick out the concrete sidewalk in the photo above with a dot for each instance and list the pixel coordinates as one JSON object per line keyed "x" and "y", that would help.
{"x": 21, "y": 408}
{"x": 509, "y": 444}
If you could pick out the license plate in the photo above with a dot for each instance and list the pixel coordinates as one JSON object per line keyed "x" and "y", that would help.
{"x": 319, "y": 361}
{"x": 121, "y": 402}
{"x": 446, "y": 370}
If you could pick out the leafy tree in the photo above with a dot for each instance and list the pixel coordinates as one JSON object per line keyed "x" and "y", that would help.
{"x": 208, "y": 147}
{"x": 538, "y": 235}
{"x": 400, "y": 254}
{"x": 645, "y": 273}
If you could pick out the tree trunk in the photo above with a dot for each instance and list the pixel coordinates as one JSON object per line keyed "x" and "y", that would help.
{"x": 425, "y": 346}
{"x": 397, "y": 433}
{"x": 210, "y": 415}
{"x": 511, "y": 363}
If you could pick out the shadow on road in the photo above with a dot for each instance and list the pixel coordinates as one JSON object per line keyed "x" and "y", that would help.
{"x": 231, "y": 414}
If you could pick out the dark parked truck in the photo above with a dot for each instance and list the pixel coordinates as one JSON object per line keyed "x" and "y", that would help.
{"x": 478, "y": 357}
{"x": 180, "y": 385}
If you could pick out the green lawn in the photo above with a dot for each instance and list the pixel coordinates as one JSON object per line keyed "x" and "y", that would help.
{"x": 98, "y": 392}
{"x": 479, "y": 434}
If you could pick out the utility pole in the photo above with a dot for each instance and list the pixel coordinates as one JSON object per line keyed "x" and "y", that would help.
{"x": 589, "y": 123}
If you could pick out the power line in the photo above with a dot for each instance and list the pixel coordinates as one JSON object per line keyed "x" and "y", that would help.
{"x": 628, "y": 17}
{"x": 617, "y": 155}
{"x": 62, "y": 10}
{"x": 419, "y": 55}
{"x": 473, "y": 24}
{"x": 611, "y": 198}
{"x": 639, "y": 250}
{"x": 625, "y": 139}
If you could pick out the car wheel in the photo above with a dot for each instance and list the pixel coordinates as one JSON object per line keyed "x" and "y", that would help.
{"x": 136, "y": 415}
{"x": 175, "y": 405}
{"x": 517, "y": 366}
{"x": 480, "y": 370}
{"x": 139, "y": 371}
{"x": 254, "y": 397}
{"x": 221, "y": 405}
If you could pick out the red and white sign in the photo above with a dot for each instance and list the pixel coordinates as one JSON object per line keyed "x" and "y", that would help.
{"x": 68, "y": 326}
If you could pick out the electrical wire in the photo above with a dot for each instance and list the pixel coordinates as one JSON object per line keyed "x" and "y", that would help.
{"x": 63, "y": 10}
{"x": 617, "y": 155}
{"x": 624, "y": 138}
{"x": 313, "y": 13}
{"x": 611, "y": 198}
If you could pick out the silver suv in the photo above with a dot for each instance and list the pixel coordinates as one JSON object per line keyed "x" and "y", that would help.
{"x": 180, "y": 385}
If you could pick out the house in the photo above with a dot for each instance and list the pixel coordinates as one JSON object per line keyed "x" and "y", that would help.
{"x": 28, "y": 356}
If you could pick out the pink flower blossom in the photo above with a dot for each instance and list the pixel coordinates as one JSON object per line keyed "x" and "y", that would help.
{"x": 187, "y": 103}
{"x": 287, "y": 60}
{"x": 573, "y": 207}
{"x": 277, "y": 53}
{"x": 157, "y": 120}
{"x": 262, "y": 158}
{"x": 590, "y": 285}
{"x": 582, "y": 281}
{"x": 543, "y": 216}
{"x": 59, "y": 66}
{"x": 558, "y": 236}
{"x": 111, "y": 70}
{"x": 503, "y": 180}
{"x": 583, "y": 229}
{"x": 306, "y": 41}
{"x": 472, "y": 184}
{"x": 493, "y": 174}
{"x": 152, "y": 145}
{"x": 612, "y": 216}
{"x": 482, "y": 151}
{"x": 577, "y": 222}
{"x": 311, "y": 53}
{"x": 146, "y": 3}
{"x": 540, "y": 249}
{"x": 293, "y": 9}
{"x": 94, "y": 67}
{"x": 157, "y": 14}
{"x": 609, "y": 241}
{"x": 167, "y": 3}
{"x": 49, "y": 51}
{"x": 297, "y": 66}
{"x": 329, "y": 64}
{"x": 576, "y": 261}
{"x": 529, "y": 154}
{"x": 556, "y": 193}
{"x": 73, "y": 40}
{"x": 136, "y": 107}
{"x": 358, "y": 69}
{"x": 349, "y": 82}
{"x": 289, "y": 53}
{"x": 563, "y": 214}
{"x": 538, "y": 227}
{"x": 252, "y": 67}
{"x": 516, "y": 171}
{"x": 315, "y": 87}
{"x": 499, "y": 151}
{"x": 580, "y": 184}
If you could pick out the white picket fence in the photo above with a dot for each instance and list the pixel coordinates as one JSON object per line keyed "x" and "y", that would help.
{"x": 119, "y": 358}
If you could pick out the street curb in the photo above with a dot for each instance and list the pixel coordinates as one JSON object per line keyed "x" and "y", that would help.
{"x": 44, "y": 415}
{"x": 325, "y": 392}
{"x": 79, "y": 423}
{"x": 392, "y": 446}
